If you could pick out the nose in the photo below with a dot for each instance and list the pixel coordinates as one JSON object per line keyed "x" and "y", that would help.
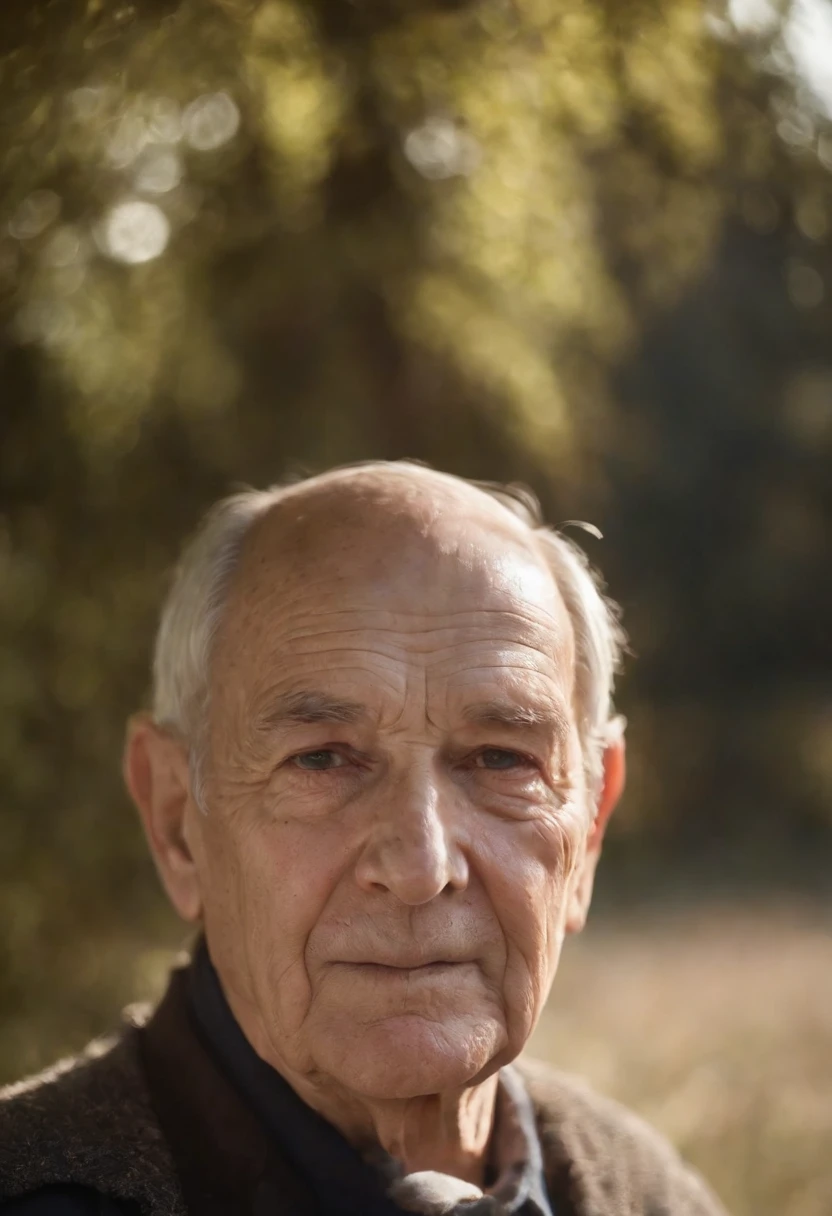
{"x": 410, "y": 849}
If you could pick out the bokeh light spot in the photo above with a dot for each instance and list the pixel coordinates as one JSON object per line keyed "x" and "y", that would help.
{"x": 804, "y": 284}
{"x": 753, "y": 16}
{"x": 65, "y": 246}
{"x": 164, "y": 120}
{"x": 47, "y": 321}
{"x": 808, "y": 397}
{"x": 438, "y": 149}
{"x": 811, "y": 217}
{"x": 87, "y": 103}
{"x": 210, "y": 121}
{"x": 134, "y": 232}
{"x": 129, "y": 138}
{"x": 37, "y": 211}
{"x": 158, "y": 171}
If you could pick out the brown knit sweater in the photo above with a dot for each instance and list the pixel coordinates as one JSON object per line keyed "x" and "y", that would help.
{"x": 147, "y": 1116}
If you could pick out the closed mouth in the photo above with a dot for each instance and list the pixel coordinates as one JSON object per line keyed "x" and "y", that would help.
{"x": 435, "y": 965}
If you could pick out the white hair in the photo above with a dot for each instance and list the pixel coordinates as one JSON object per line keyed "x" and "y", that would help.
{"x": 193, "y": 611}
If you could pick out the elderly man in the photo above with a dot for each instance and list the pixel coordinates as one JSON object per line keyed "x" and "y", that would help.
{"x": 377, "y": 776}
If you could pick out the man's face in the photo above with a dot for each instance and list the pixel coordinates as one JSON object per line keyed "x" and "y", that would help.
{"x": 395, "y": 805}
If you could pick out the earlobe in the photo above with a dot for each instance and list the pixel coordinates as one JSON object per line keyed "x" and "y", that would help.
{"x": 155, "y": 768}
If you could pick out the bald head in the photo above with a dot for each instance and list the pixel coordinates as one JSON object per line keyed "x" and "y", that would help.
{"x": 374, "y": 524}
{"x": 416, "y": 533}
{"x": 388, "y": 504}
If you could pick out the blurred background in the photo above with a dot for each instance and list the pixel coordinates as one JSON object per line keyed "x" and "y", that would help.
{"x": 584, "y": 244}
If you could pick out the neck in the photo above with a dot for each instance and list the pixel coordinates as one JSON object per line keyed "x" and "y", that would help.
{"x": 449, "y": 1132}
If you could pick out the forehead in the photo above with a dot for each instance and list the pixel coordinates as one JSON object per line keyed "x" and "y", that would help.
{"x": 358, "y": 591}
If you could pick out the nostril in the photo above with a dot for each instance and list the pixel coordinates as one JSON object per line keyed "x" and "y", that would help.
{"x": 413, "y": 858}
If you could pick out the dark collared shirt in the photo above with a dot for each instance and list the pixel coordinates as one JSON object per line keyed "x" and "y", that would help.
{"x": 350, "y": 1185}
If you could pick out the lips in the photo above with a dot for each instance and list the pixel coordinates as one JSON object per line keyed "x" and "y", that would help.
{"x": 438, "y": 974}
{"x": 404, "y": 967}
{"x": 429, "y": 966}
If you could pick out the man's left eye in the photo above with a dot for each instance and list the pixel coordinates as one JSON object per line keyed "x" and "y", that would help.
{"x": 498, "y": 759}
{"x": 318, "y": 761}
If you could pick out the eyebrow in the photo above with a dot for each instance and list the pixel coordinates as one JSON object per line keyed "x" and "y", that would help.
{"x": 517, "y": 717}
{"x": 310, "y": 706}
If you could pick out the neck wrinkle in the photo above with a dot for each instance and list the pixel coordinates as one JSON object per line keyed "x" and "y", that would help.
{"x": 449, "y": 1133}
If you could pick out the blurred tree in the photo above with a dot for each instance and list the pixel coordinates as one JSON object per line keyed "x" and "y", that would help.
{"x": 585, "y": 244}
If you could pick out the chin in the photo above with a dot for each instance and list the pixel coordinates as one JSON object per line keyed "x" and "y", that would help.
{"x": 408, "y": 1056}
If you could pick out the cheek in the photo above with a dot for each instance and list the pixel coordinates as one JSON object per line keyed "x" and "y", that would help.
{"x": 268, "y": 884}
{"x": 528, "y": 876}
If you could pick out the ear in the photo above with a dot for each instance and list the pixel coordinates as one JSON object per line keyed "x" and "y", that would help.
{"x": 612, "y": 787}
{"x": 157, "y": 775}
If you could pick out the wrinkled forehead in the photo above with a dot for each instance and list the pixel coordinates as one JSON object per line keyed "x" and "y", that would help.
{"x": 459, "y": 561}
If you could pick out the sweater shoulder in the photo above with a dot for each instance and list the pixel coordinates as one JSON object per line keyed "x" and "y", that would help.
{"x": 89, "y": 1121}
{"x": 64, "y": 1201}
{"x": 604, "y": 1158}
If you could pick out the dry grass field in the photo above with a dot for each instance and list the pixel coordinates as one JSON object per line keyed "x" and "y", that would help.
{"x": 716, "y": 1025}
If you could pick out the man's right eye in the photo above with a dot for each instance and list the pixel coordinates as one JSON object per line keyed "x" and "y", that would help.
{"x": 318, "y": 761}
